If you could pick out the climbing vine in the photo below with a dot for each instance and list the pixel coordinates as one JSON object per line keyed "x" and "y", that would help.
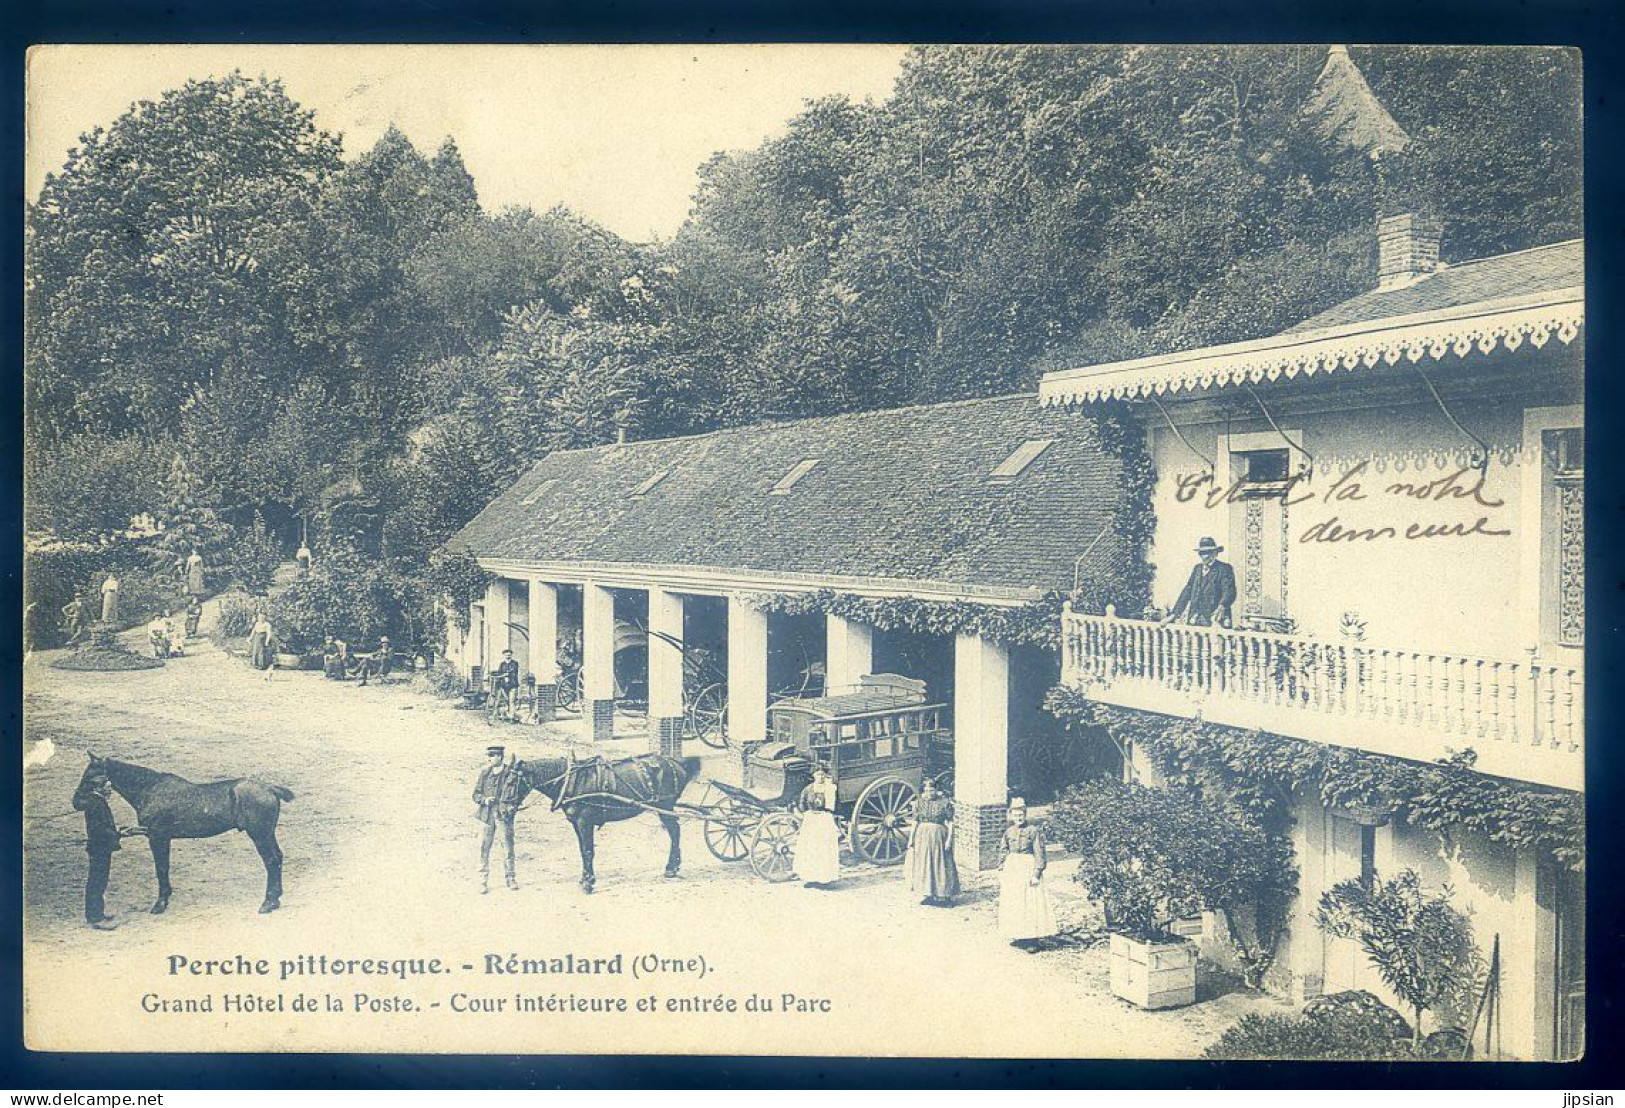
{"x": 1034, "y": 624}
{"x": 1135, "y": 521}
{"x": 457, "y": 576}
{"x": 1259, "y": 772}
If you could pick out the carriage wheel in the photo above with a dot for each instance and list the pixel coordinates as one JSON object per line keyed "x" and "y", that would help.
{"x": 706, "y": 713}
{"x": 772, "y": 848}
{"x": 568, "y": 691}
{"x": 728, "y": 835}
{"x": 881, "y": 819}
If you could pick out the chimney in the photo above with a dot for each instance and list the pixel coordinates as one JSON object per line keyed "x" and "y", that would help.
{"x": 1407, "y": 250}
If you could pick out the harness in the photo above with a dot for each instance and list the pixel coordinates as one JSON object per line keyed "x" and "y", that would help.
{"x": 595, "y": 779}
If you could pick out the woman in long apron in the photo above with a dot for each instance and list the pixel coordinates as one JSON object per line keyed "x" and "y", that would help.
{"x": 931, "y": 870}
{"x": 1024, "y": 908}
{"x": 817, "y": 855}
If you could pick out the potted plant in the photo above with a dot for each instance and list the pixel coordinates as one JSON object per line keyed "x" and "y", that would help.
{"x": 1152, "y": 857}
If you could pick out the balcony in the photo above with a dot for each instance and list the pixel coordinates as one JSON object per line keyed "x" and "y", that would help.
{"x": 1523, "y": 717}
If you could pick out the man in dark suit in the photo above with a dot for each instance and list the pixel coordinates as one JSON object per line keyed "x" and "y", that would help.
{"x": 102, "y": 835}
{"x": 496, "y": 793}
{"x": 1210, "y": 593}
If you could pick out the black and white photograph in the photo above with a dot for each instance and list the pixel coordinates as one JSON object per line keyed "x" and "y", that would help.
{"x": 936, "y": 551}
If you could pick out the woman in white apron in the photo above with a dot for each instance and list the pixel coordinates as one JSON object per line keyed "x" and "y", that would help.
{"x": 818, "y": 844}
{"x": 1024, "y": 908}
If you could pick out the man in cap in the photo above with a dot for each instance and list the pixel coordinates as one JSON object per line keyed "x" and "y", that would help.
{"x": 496, "y": 792}
{"x": 505, "y": 685}
{"x": 1210, "y": 592}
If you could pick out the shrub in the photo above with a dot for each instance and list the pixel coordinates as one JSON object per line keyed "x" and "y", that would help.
{"x": 350, "y": 596}
{"x": 1422, "y": 947}
{"x": 444, "y": 681}
{"x": 236, "y": 618}
{"x": 1153, "y": 856}
{"x": 251, "y": 558}
{"x": 1353, "y": 1026}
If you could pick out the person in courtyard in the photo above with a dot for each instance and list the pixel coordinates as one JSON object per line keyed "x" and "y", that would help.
{"x": 1025, "y": 915}
{"x": 261, "y": 643}
{"x": 73, "y": 619}
{"x": 818, "y": 843}
{"x": 932, "y": 874}
{"x": 194, "y": 616}
{"x": 194, "y": 573}
{"x": 174, "y": 634}
{"x": 102, "y": 835}
{"x": 496, "y": 792}
{"x": 375, "y": 664}
{"x": 302, "y": 557}
{"x": 505, "y": 685}
{"x": 110, "y": 599}
{"x": 1210, "y": 592}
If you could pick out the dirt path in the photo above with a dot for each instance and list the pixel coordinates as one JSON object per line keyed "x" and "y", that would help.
{"x": 381, "y": 861}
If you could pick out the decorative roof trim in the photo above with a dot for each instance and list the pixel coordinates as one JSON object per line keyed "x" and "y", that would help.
{"x": 1462, "y": 330}
{"x": 719, "y": 581}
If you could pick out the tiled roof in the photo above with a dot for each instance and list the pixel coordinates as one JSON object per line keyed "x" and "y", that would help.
{"x": 1525, "y": 273}
{"x": 899, "y": 494}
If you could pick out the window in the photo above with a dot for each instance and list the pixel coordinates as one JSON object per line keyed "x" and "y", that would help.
{"x": 1263, "y": 472}
{"x": 797, "y": 472}
{"x": 1024, "y": 456}
{"x": 643, "y": 489}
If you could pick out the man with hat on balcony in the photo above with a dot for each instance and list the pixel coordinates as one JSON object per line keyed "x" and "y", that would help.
{"x": 1211, "y": 591}
{"x": 496, "y": 792}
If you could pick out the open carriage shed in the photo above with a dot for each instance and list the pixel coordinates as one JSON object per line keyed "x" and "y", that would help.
{"x": 990, "y": 501}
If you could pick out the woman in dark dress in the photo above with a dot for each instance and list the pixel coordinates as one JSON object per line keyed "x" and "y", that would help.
{"x": 931, "y": 870}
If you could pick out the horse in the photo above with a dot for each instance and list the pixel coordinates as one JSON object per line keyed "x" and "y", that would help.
{"x": 169, "y": 807}
{"x": 595, "y": 792}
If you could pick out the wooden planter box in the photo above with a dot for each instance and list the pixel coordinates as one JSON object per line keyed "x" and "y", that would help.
{"x": 1153, "y": 975}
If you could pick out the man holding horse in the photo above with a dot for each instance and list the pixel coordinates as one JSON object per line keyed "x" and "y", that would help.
{"x": 497, "y": 794}
{"x": 102, "y": 835}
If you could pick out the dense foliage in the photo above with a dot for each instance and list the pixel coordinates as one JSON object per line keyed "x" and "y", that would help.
{"x": 1354, "y": 1026}
{"x": 1421, "y": 946}
{"x": 231, "y": 317}
{"x": 1260, "y": 773}
{"x": 1152, "y": 856}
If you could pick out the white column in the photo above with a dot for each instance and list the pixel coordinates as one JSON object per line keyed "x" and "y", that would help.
{"x": 665, "y": 672}
{"x": 496, "y": 621}
{"x": 849, "y": 652}
{"x": 981, "y": 748}
{"x": 747, "y": 672}
{"x": 543, "y": 628}
{"x": 597, "y": 661}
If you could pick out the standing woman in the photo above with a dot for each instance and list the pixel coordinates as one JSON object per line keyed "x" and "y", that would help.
{"x": 931, "y": 870}
{"x": 818, "y": 844}
{"x": 261, "y": 642}
{"x": 1024, "y": 909}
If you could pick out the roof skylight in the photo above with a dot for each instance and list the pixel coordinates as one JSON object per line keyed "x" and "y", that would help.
{"x": 535, "y": 494}
{"x": 1024, "y": 456}
{"x": 797, "y": 472}
{"x": 644, "y": 488}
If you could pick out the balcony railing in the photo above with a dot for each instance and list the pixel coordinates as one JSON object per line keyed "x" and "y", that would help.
{"x": 1524, "y": 718}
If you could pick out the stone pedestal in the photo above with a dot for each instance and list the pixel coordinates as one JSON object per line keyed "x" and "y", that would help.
{"x": 598, "y": 719}
{"x": 666, "y": 735}
{"x": 978, "y": 835}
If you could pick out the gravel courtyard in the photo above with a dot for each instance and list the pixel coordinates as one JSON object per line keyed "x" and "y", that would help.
{"x": 381, "y": 863}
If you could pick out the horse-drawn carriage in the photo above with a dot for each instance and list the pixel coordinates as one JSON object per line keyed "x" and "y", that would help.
{"x": 879, "y": 741}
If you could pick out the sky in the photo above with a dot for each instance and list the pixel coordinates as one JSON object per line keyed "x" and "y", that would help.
{"x": 615, "y": 133}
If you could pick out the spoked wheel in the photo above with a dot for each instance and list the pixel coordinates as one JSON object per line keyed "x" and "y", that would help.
{"x": 880, "y": 821}
{"x": 706, "y": 715}
{"x": 568, "y": 692}
{"x": 728, "y": 834}
{"x": 772, "y": 848}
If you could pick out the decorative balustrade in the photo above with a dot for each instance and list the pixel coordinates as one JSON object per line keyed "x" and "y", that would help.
{"x": 1522, "y": 717}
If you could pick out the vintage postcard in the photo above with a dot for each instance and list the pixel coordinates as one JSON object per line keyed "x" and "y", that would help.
{"x": 1017, "y": 551}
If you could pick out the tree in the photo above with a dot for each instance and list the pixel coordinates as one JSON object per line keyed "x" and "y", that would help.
{"x": 149, "y": 256}
{"x": 1421, "y": 946}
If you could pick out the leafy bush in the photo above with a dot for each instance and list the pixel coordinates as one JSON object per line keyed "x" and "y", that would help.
{"x": 444, "y": 681}
{"x": 1422, "y": 947}
{"x": 350, "y": 596}
{"x": 1153, "y": 856}
{"x": 236, "y": 618}
{"x": 1351, "y": 1026}
{"x": 251, "y": 557}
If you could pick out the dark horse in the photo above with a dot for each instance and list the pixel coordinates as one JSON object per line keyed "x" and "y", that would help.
{"x": 169, "y": 807}
{"x": 595, "y": 792}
